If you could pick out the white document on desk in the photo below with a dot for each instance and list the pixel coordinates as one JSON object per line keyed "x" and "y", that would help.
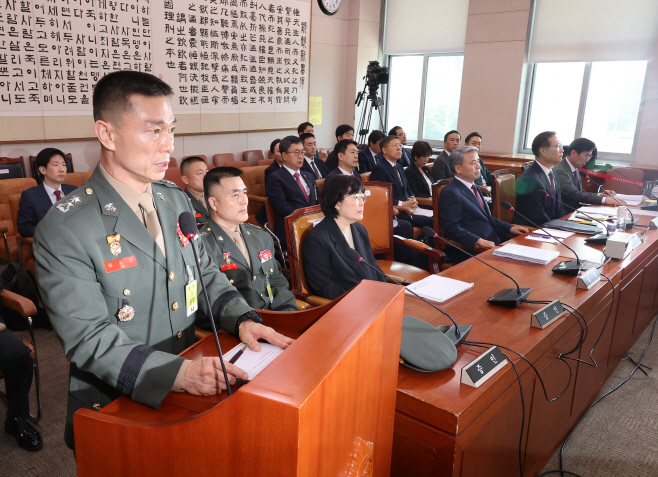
{"x": 541, "y": 235}
{"x": 608, "y": 211}
{"x": 650, "y": 213}
{"x": 423, "y": 212}
{"x": 250, "y": 361}
{"x": 632, "y": 200}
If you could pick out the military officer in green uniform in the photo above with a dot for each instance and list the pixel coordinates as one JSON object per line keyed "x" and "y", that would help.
{"x": 115, "y": 273}
{"x": 192, "y": 171}
{"x": 242, "y": 251}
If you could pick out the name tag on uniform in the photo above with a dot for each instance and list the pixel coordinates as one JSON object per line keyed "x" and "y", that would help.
{"x": 229, "y": 266}
{"x": 120, "y": 264}
{"x": 191, "y": 297}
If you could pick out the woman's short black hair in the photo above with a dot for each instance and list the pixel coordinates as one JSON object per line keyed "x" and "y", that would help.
{"x": 273, "y": 145}
{"x": 335, "y": 189}
{"x": 421, "y": 149}
{"x": 44, "y": 157}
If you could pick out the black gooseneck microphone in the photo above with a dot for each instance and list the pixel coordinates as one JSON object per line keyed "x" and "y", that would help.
{"x": 456, "y": 333}
{"x": 187, "y": 224}
{"x": 584, "y": 175}
{"x": 570, "y": 267}
{"x": 505, "y": 297}
{"x": 598, "y": 239}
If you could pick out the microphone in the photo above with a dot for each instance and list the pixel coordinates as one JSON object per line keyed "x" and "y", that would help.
{"x": 598, "y": 239}
{"x": 566, "y": 267}
{"x": 456, "y": 333}
{"x": 633, "y": 221}
{"x": 187, "y": 224}
{"x": 584, "y": 175}
{"x": 505, "y": 297}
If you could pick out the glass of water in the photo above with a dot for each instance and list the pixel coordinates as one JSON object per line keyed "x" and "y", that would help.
{"x": 623, "y": 217}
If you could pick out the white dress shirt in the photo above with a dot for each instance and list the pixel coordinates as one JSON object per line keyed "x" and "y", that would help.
{"x": 51, "y": 192}
{"x": 301, "y": 178}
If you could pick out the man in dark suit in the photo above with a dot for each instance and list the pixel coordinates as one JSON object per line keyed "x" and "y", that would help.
{"x": 276, "y": 155}
{"x": 441, "y": 169}
{"x": 474, "y": 139}
{"x": 290, "y": 188}
{"x": 406, "y": 159}
{"x": 192, "y": 171}
{"x": 16, "y": 365}
{"x": 369, "y": 155}
{"x": 348, "y": 158}
{"x": 539, "y": 208}
{"x": 344, "y": 131}
{"x": 389, "y": 170}
{"x": 307, "y": 128}
{"x": 36, "y": 201}
{"x": 465, "y": 218}
{"x": 568, "y": 175}
{"x": 317, "y": 167}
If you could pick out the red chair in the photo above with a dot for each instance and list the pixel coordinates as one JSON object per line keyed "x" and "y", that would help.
{"x": 253, "y": 156}
{"x": 220, "y": 159}
{"x": 238, "y": 164}
{"x": 173, "y": 175}
{"x": 265, "y": 162}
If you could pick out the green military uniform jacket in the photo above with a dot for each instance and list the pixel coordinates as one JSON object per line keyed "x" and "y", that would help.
{"x": 84, "y": 286}
{"x": 250, "y": 282}
{"x": 200, "y": 212}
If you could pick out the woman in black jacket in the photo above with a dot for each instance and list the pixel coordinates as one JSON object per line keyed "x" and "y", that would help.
{"x": 418, "y": 174}
{"x": 331, "y": 251}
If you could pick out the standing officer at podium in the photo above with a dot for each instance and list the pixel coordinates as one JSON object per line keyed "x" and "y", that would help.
{"x": 117, "y": 276}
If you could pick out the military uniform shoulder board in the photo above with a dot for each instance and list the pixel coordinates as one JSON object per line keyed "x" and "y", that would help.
{"x": 167, "y": 183}
{"x": 72, "y": 202}
{"x": 202, "y": 233}
{"x": 253, "y": 226}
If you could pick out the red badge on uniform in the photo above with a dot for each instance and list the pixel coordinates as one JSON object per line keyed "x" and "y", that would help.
{"x": 197, "y": 215}
{"x": 183, "y": 239}
{"x": 229, "y": 266}
{"x": 120, "y": 264}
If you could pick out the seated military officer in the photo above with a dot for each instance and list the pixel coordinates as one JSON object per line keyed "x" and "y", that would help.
{"x": 244, "y": 252}
{"x": 114, "y": 248}
{"x": 192, "y": 171}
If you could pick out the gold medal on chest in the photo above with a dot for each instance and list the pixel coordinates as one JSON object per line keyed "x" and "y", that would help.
{"x": 113, "y": 242}
{"x": 127, "y": 312}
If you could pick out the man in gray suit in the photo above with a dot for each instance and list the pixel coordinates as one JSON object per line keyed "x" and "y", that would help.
{"x": 442, "y": 167}
{"x": 117, "y": 276}
{"x": 568, "y": 174}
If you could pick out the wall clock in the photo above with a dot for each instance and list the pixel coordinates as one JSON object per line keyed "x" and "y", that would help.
{"x": 329, "y": 7}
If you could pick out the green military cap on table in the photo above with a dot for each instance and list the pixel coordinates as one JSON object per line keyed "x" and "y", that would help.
{"x": 424, "y": 347}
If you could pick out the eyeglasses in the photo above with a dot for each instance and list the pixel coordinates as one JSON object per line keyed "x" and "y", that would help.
{"x": 296, "y": 153}
{"x": 357, "y": 198}
{"x": 588, "y": 156}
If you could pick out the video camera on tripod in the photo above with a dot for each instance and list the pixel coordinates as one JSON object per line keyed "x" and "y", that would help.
{"x": 376, "y": 75}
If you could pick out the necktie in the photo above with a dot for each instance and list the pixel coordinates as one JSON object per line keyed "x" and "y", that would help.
{"x": 316, "y": 171}
{"x": 58, "y": 194}
{"x": 474, "y": 188}
{"x": 550, "y": 176}
{"x": 397, "y": 173}
{"x": 576, "y": 176}
{"x": 301, "y": 186}
{"x": 151, "y": 220}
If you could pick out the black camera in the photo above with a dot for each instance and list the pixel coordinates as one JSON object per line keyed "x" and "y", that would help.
{"x": 376, "y": 75}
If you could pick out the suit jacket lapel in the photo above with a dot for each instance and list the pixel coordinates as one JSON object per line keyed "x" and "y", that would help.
{"x": 44, "y": 201}
{"x": 362, "y": 250}
{"x": 130, "y": 227}
{"x": 228, "y": 245}
{"x": 470, "y": 196}
{"x": 342, "y": 247}
{"x": 293, "y": 183}
{"x": 169, "y": 225}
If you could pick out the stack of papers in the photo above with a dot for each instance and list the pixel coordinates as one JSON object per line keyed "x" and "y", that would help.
{"x": 250, "y": 361}
{"x": 438, "y": 288}
{"x": 526, "y": 254}
{"x": 631, "y": 200}
{"x": 599, "y": 211}
{"x": 541, "y": 235}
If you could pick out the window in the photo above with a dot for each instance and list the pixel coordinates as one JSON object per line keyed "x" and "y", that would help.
{"x": 423, "y": 95}
{"x": 598, "y": 100}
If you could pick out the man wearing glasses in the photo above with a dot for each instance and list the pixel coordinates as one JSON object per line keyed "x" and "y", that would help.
{"x": 530, "y": 203}
{"x": 290, "y": 188}
{"x": 405, "y": 160}
{"x": 579, "y": 152}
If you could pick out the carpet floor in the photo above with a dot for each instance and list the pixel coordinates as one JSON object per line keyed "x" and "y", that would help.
{"x": 616, "y": 439}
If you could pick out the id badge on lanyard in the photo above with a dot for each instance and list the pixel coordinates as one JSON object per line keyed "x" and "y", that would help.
{"x": 191, "y": 296}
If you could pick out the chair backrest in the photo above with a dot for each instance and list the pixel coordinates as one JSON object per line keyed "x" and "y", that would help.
{"x": 298, "y": 225}
{"x": 437, "y": 189}
{"x": 499, "y": 172}
{"x": 12, "y": 168}
{"x": 39, "y": 177}
{"x": 265, "y": 162}
{"x": 173, "y": 175}
{"x": 319, "y": 183}
{"x": 272, "y": 216}
{"x": 322, "y": 155}
{"x": 503, "y": 187}
{"x": 365, "y": 177}
{"x": 238, "y": 164}
{"x": 173, "y": 162}
{"x": 11, "y": 187}
{"x": 625, "y": 173}
{"x": 253, "y": 156}
{"x": 220, "y": 159}
{"x": 14, "y": 201}
{"x": 77, "y": 178}
{"x": 254, "y": 179}
{"x": 378, "y": 217}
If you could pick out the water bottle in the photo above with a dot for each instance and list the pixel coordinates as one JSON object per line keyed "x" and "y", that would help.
{"x": 623, "y": 217}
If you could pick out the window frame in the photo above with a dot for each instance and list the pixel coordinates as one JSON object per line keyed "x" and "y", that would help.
{"x": 603, "y": 157}
{"x": 421, "y": 113}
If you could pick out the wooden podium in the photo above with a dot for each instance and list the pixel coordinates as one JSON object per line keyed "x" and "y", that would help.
{"x": 325, "y": 407}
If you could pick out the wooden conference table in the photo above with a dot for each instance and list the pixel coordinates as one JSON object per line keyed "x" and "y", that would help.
{"x": 445, "y": 428}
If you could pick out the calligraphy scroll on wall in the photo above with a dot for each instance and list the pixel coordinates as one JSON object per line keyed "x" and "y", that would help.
{"x": 234, "y": 65}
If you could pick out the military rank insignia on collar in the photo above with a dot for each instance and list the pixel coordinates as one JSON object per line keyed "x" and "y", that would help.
{"x": 161, "y": 196}
{"x": 65, "y": 206}
{"x": 113, "y": 242}
{"x": 110, "y": 207}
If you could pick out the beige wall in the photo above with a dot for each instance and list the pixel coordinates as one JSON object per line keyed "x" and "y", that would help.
{"x": 341, "y": 46}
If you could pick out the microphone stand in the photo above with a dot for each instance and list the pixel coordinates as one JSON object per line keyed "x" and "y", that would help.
{"x": 570, "y": 267}
{"x": 456, "y": 333}
{"x": 505, "y": 297}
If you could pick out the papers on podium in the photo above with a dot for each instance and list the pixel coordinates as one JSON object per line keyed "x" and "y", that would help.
{"x": 250, "y": 361}
{"x": 526, "y": 254}
{"x": 436, "y": 288}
